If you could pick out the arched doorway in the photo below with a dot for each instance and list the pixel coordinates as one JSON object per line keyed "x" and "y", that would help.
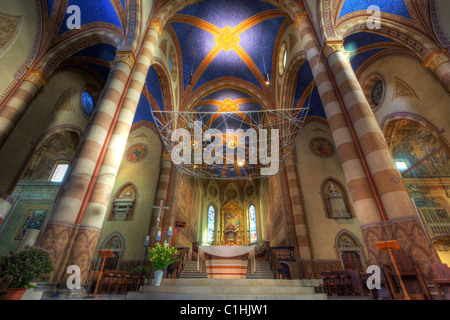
{"x": 350, "y": 252}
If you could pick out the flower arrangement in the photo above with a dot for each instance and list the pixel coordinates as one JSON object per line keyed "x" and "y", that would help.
{"x": 162, "y": 255}
{"x": 25, "y": 266}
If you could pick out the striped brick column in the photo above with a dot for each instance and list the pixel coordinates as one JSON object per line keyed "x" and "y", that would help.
{"x": 16, "y": 106}
{"x": 86, "y": 240}
{"x": 367, "y": 205}
{"x": 402, "y": 222}
{"x": 439, "y": 63}
{"x": 344, "y": 137}
{"x": 66, "y": 215}
{"x": 161, "y": 195}
{"x": 301, "y": 231}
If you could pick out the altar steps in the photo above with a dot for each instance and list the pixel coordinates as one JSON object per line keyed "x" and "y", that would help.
{"x": 227, "y": 289}
{"x": 263, "y": 271}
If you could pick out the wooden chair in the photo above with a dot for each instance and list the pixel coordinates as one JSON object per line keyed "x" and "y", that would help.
{"x": 130, "y": 284}
{"x": 324, "y": 285}
{"x": 109, "y": 282}
{"x": 441, "y": 280}
{"x": 334, "y": 285}
{"x": 121, "y": 283}
{"x": 345, "y": 284}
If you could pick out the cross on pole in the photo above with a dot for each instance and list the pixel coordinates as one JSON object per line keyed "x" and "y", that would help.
{"x": 161, "y": 208}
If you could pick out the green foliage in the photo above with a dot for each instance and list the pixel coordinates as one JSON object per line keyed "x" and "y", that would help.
{"x": 161, "y": 256}
{"x": 144, "y": 269}
{"x": 25, "y": 266}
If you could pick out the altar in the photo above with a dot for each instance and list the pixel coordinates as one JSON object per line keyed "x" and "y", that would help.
{"x": 226, "y": 262}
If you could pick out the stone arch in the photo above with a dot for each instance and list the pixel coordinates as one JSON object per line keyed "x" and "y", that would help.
{"x": 350, "y": 251}
{"x": 51, "y": 59}
{"x": 116, "y": 243}
{"x": 291, "y": 72}
{"x": 166, "y": 84}
{"x": 124, "y": 203}
{"x": 336, "y": 202}
{"x": 417, "y": 42}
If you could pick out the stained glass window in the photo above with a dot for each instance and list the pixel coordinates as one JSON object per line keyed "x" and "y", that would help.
{"x": 88, "y": 103}
{"x": 211, "y": 217}
{"x": 252, "y": 220}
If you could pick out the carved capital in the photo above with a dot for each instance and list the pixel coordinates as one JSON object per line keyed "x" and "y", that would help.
{"x": 37, "y": 78}
{"x": 300, "y": 18}
{"x": 127, "y": 57}
{"x": 156, "y": 25}
{"x": 166, "y": 157}
{"x": 333, "y": 46}
{"x": 436, "y": 59}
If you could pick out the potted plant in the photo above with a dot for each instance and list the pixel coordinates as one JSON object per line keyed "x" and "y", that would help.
{"x": 23, "y": 267}
{"x": 161, "y": 256}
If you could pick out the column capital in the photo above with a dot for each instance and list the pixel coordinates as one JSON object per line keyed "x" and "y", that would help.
{"x": 36, "y": 77}
{"x": 436, "y": 59}
{"x": 333, "y": 46}
{"x": 300, "y": 18}
{"x": 166, "y": 157}
{"x": 125, "y": 56}
{"x": 157, "y": 26}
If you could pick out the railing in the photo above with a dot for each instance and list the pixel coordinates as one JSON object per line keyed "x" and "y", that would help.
{"x": 437, "y": 229}
{"x": 274, "y": 263}
{"x": 285, "y": 253}
{"x": 175, "y": 269}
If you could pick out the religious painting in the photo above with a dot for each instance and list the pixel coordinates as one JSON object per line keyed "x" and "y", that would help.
{"x": 34, "y": 219}
{"x": 137, "y": 152}
{"x": 322, "y": 147}
{"x": 377, "y": 93}
{"x": 346, "y": 241}
{"x": 231, "y": 221}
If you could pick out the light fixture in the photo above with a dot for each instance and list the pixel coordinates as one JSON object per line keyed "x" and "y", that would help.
{"x": 241, "y": 163}
{"x": 266, "y": 77}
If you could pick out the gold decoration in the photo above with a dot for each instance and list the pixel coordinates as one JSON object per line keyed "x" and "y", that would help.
{"x": 228, "y": 106}
{"x": 156, "y": 25}
{"x": 37, "y": 78}
{"x": 125, "y": 56}
{"x": 300, "y": 18}
{"x": 436, "y": 59}
{"x": 332, "y": 46}
{"x": 228, "y": 39}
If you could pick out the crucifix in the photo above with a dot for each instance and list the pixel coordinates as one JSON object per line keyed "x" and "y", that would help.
{"x": 158, "y": 219}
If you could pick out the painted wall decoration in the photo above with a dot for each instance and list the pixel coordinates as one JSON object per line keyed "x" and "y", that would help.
{"x": 57, "y": 148}
{"x": 345, "y": 241}
{"x": 136, "y": 152}
{"x": 34, "y": 219}
{"x": 9, "y": 27}
{"x": 322, "y": 147}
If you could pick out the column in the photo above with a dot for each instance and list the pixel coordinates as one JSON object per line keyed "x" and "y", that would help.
{"x": 66, "y": 215}
{"x": 301, "y": 231}
{"x": 92, "y": 219}
{"x": 367, "y": 207}
{"x": 439, "y": 63}
{"x": 402, "y": 223}
{"x": 161, "y": 194}
{"x": 16, "y": 106}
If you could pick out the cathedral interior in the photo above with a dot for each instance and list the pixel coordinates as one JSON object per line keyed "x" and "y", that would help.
{"x": 91, "y": 92}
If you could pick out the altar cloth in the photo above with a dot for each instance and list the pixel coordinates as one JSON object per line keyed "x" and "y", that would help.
{"x": 226, "y": 262}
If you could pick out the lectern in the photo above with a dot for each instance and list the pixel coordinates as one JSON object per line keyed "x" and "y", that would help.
{"x": 390, "y": 246}
{"x": 105, "y": 254}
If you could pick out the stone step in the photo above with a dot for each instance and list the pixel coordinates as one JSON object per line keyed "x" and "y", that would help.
{"x": 227, "y": 289}
{"x": 263, "y": 271}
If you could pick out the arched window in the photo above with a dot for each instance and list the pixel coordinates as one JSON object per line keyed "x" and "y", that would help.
{"x": 88, "y": 103}
{"x": 211, "y": 218}
{"x": 252, "y": 222}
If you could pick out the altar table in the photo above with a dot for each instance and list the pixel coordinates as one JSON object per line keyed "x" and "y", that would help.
{"x": 226, "y": 262}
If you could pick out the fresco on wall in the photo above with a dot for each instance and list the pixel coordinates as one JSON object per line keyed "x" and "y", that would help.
{"x": 34, "y": 220}
{"x": 419, "y": 150}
